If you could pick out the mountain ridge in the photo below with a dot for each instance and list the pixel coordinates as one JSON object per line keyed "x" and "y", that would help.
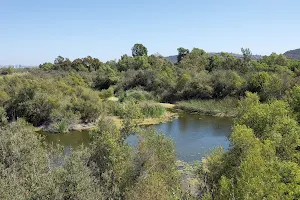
{"x": 293, "y": 54}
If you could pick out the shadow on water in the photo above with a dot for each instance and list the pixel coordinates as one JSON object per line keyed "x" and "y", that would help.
{"x": 194, "y": 135}
{"x": 69, "y": 141}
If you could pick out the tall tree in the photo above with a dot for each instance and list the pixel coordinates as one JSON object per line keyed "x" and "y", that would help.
{"x": 247, "y": 55}
{"x": 139, "y": 50}
{"x": 181, "y": 53}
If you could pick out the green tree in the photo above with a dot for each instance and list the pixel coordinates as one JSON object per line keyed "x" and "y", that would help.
{"x": 139, "y": 50}
{"x": 110, "y": 160}
{"x": 215, "y": 63}
{"x": 182, "y": 52}
{"x": 156, "y": 174}
{"x": 10, "y": 70}
{"x": 196, "y": 60}
{"x": 227, "y": 83}
{"x": 46, "y": 66}
{"x": 247, "y": 55}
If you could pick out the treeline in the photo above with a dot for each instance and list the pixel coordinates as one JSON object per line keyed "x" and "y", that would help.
{"x": 197, "y": 75}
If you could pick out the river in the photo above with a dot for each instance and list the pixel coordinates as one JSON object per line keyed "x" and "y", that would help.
{"x": 194, "y": 135}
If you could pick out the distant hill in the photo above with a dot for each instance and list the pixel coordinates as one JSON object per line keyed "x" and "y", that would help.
{"x": 293, "y": 54}
{"x": 173, "y": 59}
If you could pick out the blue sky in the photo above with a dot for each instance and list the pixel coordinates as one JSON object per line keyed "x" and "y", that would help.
{"x": 36, "y": 31}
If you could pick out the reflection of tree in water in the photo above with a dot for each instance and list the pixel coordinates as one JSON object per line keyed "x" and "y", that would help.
{"x": 169, "y": 127}
{"x": 221, "y": 126}
{"x": 73, "y": 139}
{"x": 183, "y": 123}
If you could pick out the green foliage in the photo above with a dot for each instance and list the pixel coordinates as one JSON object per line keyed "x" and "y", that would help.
{"x": 47, "y": 66}
{"x": 182, "y": 52}
{"x": 260, "y": 117}
{"x": 3, "y": 118}
{"x": 4, "y": 97}
{"x": 226, "y": 75}
{"x": 28, "y": 170}
{"x": 294, "y": 100}
{"x": 128, "y": 110}
{"x": 275, "y": 59}
{"x": 7, "y": 71}
{"x": 109, "y": 169}
{"x": 110, "y": 160}
{"x": 225, "y": 107}
{"x": 196, "y": 60}
{"x": 88, "y": 105}
{"x": 105, "y": 78}
{"x": 10, "y": 70}
{"x": 267, "y": 85}
{"x": 247, "y": 55}
{"x": 137, "y": 95}
{"x": 34, "y": 106}
{"x": 152, "y": 110}
{"x": 62, "y": 126}
{"x": 215, "y": 63}
{"x": 139, "y": 50}
{"x": 263, "y": 161}
{"x": 104, "y": 94}
{"x": 227, "y": 83}
{"x": 197, "y": 87}
{"x": 157, "y": 177}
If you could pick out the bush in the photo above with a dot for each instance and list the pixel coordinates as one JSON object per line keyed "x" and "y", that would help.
{"x": 138, "y": 95}
{"x": 62, "y": 118}
{"x": 3, "y": 118}
{"x": 34, "y": 106}
{"x": 106, "y": 93}
{"x": 125, "y": 110}
{"x": 89, "y": 111}
{"x": 87, "y": 103}
{"x": 152, "y": 110}
{"x": 227, "y": 83}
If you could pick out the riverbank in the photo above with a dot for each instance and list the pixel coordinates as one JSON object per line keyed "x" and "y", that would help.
{"x": 218, "y": 108}
{"x": 169, "y": 115}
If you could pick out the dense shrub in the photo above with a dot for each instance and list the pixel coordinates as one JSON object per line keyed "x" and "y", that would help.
{"x": 152, "y": 110}
{"x": 137, "y": 95}
{"x": 263, "y": 160}
{"x": 104, "y": 94}
{"x": 3, "y": 118}
{"x": 34, "y": 106}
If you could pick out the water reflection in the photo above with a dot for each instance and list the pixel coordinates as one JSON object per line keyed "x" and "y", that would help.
{"x": 194, "y": 136}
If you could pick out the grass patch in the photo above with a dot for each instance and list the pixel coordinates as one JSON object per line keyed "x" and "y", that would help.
{"x": 152, "y": 110}
{"x": 224, "y": 107}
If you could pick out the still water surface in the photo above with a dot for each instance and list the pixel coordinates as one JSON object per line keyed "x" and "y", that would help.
{"x": 194, "y": 135}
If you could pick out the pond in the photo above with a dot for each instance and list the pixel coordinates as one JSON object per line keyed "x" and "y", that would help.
{"x": 194, "y": 135}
